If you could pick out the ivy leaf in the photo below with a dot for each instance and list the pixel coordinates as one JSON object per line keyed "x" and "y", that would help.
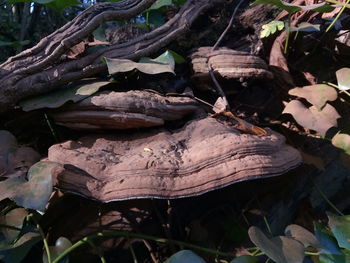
{"x": 159, "y": 3}
{"x": 15, "y": 253}
{"x": 15, "y": 219}
{"x": 185, "y": 256}
{"x": 35, "y": 192}
{"x": 271, "y": 28}
{"x": 59, "y": 97}
{"x": 163, "y": 63}
{"x": 317, "y": 94}
{"x": 245, "y": 259}
{"x": 280, "y": 249}
{"x": 340, "y": 227}
{"x": 301, "y": 234}
{"x": 311, "y": 118}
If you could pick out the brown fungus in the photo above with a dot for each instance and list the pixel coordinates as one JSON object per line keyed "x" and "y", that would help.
{"x": 229, "y": 64}
{"x": 202, "y": 156}
{"x": 124, "y": 110}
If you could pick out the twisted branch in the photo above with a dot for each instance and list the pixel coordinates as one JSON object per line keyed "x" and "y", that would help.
{"x": 41, "y": 69}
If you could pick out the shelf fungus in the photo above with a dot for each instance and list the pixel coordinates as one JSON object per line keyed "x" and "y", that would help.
{"x": 202, "y": 156}
{"x": 124, "y": 110}
{"x": 229, "y": 64}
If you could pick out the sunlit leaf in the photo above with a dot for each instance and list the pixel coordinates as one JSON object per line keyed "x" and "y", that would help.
{"x": 271, "y": 28}
{"x": 305, "y": 27}
{"x": 342, "y": 141}
{"x": 15, "y": 253}
{"x": 280, "y": 249}
{"x": 160, "y": 3}
{"x": 340, "y": 227}
{"x": 185, "y": 256}
{"x": 292, "y": 8}
{"x": 57, "y": 98}
{"x": 311, "y": 118}
{"x": 177, "y": 57}
{"x": 163, "y": 63}
{"x": 317, "y": 95}
{"x": 35, "y": 192}
{"x": 61, "y": 245}
{"x": 301, "y": 234}
{"x": 343, "y": 78}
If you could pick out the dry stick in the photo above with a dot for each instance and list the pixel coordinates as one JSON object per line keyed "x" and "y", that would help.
{"x": 210, "y": 69}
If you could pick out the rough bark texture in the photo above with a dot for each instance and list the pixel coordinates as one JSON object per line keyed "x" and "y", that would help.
{"x": 45, "y": 66}
{"x": 202, "y": 156}
{"x": 124, "y": 110}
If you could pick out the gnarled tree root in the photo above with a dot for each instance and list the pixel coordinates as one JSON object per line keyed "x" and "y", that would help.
{"x": 44, "y": 67}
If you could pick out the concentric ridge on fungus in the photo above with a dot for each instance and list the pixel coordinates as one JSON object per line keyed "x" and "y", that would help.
{"x": 202, "y": 156}
{"x": 124, "y": 110}
{"x": 229, "y": 64}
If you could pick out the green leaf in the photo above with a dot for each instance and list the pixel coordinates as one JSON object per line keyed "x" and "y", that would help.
{"x": 61, "y": 245}
{"x": 340, "y": 227}
{"x": 301, "y": 234}
{"x": 177, "y": 57}
{"x": 15, "y": 253}
{"x": 271, "y": 28}
{"x": 57, "y": 98}
{"x": 280, "y": 249}
{"x": 342, "y": 141}
{"x": 59, "y": 5}
{"x": 343, "y": 78}
{"x": 159, "y": 3}
{"x": 245, "y": 259}
{"x": 328, "y": 243}
{"x": 292, "y": 8}
{"x": 185, "y": 256}
{"x": 155, "y": 18}
{"x": 13, "y": 218}
{"x": 317, "y": 94}
{"x": 35, "y": 192}
{"x": 163, "y": 63}
{"x": 305, "y": 27}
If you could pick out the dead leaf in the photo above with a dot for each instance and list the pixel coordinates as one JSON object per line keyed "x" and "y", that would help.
{"x": 311, "y": 118}
{"x": 317, "y": 94}
{"x": 76, "y": 50}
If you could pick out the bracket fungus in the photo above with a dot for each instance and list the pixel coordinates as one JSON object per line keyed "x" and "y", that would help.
{"x": 229, "y": 64}
{"x": 124, "y": 110}
{"x": 202, "y": 156}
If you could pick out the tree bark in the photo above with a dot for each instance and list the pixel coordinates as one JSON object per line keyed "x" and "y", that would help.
{"x": 44, "y": 67}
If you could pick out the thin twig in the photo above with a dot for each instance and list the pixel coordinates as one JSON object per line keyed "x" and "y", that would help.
{"x": 210, "y": 69}
{"x": 228, "y": 26}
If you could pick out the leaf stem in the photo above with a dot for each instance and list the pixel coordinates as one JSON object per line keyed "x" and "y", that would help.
{"x": 326, "y": 198}
{"x": 337, "y": 17}
{"x": 42, "y": 234}
{"x": 85, "y": 240}
{"x": 338, "y": 3}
